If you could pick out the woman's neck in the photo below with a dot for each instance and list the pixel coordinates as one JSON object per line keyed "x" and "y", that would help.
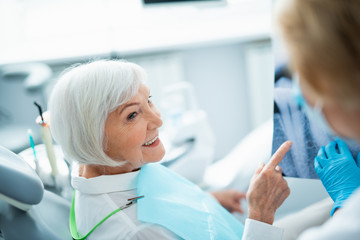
{"x": 90, "y": 171}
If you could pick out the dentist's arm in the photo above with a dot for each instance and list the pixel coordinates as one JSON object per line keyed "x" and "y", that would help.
{"x": 267, "y": 191}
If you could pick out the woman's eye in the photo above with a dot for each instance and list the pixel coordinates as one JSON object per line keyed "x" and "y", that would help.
{"x": 149, "y": 101}
{"x": 132, "y": 116}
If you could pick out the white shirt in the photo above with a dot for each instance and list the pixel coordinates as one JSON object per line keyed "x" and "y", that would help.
{"x": 345, "y": 225}
{"x": 96, "y": 197}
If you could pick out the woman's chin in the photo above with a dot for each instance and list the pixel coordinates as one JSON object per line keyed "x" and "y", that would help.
{"x": 154, "y": 152}
{"x": 158, "y": 157}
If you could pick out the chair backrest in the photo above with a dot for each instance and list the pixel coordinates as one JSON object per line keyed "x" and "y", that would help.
{"x": 27, "y": 211}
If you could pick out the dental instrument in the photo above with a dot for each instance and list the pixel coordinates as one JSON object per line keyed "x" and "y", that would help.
{"x": 47, "y": 139}
{"x": 32, "y": 144}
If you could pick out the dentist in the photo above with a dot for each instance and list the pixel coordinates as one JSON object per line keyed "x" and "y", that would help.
{"x": 323, "y": 41}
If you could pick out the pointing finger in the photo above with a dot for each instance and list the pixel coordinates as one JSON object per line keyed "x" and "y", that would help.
{"x": 278, "y": 155}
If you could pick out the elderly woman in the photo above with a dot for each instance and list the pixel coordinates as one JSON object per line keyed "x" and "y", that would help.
{"x": 323, "y": 41}
{"x": 103, "y": 118}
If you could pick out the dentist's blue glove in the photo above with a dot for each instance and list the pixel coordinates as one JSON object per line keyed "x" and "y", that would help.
{"x": 338, "y": 171}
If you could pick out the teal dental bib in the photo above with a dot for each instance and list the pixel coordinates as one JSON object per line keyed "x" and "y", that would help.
{"x": 182, "y": 207}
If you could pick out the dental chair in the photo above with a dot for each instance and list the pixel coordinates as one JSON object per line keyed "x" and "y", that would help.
{"x": 27, "y": 211}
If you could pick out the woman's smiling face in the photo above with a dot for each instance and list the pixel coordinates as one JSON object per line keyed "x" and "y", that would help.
{"x": 132, "y": 131}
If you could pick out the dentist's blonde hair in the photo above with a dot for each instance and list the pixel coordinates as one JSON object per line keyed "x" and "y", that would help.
{"x": 81, "y": 101}
{"x": 323, "y": 39}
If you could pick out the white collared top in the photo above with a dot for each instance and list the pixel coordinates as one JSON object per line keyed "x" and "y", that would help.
{"x": 96, "y": 197}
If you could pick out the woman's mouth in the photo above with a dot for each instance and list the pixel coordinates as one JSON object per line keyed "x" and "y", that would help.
{"x": 152, "y": 142}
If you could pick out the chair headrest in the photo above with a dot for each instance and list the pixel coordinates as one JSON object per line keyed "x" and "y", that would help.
{"x": 20, "y": 186}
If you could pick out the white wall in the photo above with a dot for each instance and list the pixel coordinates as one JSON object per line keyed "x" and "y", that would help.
{"x": 218, "y": 75}
{"x": 233, "y": 84}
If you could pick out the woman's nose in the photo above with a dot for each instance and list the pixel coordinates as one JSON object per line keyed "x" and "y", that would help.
{"x": 155, "y": 120}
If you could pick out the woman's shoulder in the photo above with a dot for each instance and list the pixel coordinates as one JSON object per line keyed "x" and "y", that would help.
{"x": 91, "y": 209}
{"x": 121, "y": 225}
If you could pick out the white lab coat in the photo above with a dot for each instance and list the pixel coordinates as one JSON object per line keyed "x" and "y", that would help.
{"x": 345, "y": 225}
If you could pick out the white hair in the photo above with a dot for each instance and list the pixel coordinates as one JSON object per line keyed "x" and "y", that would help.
{"x": 81, "y": 101}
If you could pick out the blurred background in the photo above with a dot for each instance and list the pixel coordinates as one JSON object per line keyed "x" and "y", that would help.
{"x": 221, "y": 48}
{"x": 210, "y": 66}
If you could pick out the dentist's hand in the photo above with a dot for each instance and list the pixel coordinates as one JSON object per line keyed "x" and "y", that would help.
{"x": 268, "y": 189}
{"x": 338, "y": 171}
